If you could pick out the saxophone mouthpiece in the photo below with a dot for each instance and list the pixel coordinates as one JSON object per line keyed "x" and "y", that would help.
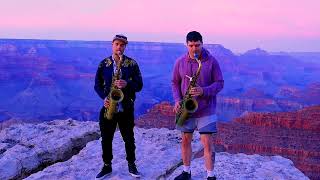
{"x": 120, "y": 54}
{"x": 196, "y": 56}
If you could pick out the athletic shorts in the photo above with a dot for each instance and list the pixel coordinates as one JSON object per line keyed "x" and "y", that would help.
{"x": 205, "y": 125}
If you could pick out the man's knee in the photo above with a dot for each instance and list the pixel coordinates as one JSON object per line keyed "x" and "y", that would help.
{"x": 186, "y": 139}
{"x": 128, "y": 137}
{"x": 206, "y": 140}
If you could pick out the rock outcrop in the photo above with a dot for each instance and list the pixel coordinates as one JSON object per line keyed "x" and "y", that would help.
{"x": 156, "y": 153}
{"x": 158, "y": 157}
{"x": 28, "y": 148}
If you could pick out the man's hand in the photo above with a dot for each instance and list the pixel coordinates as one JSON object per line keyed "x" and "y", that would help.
{"x": 176, "y": 107}
{"x": 120, "y": 83}
{"x": 106, "y": 103}
{"x": 196, "y": 91}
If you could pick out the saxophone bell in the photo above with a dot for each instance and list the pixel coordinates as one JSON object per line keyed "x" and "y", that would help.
{"x": 116, "y": 95}
{"x": 191, "y": 105}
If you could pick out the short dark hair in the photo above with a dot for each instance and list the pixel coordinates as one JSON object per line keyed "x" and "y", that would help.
{"x": 194, "y": 36}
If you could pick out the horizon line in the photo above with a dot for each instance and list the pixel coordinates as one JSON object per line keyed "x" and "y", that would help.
{"x": 82, "y": 40}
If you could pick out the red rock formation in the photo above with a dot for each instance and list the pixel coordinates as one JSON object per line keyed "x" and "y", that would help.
{"x": 294, "y": 135}
{"x": 305, "y": 119}
{"x": 227, "y": 109}
{"x": 160, "y": 116}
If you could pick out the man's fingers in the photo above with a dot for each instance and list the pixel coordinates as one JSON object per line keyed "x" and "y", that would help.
{"x": 176, "y": 107}
{"x": 195, "y": 91}
{"x": 106, "y": 103}
{"x": 195, "y": 94}
{"x": 120, "y": 83}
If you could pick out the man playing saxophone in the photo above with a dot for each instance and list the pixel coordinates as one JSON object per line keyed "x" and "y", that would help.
{"x": 117, "y": 80}
{"x": 197, "y": 76}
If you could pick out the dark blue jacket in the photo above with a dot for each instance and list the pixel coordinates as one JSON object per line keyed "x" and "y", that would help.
{"x": 130, "y": 72}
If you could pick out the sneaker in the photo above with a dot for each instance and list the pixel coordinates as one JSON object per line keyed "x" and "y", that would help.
{"x": 105, "y": 171}
{"x": 133, "y": 170}
{"x": 183, "y": 176}
{"x": 211, "y": 178}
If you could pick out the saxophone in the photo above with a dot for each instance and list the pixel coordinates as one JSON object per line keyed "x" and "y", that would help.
{"x": 115, "y": 95}
{"x": 188, "y": 104}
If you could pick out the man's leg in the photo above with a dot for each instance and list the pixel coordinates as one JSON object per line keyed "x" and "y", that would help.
{"x": 107, "y": 128}
{"x": 126, "y": 125}
{"x": 207, "y": 126}
{"x": 186, "y": 152}
{"x": 206, "y": 140}
{"x": 186, "y": 149}
{"x": 209, "y": 154}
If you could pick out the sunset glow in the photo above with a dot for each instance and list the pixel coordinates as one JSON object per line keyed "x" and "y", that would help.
{"x": 240, "y": 25}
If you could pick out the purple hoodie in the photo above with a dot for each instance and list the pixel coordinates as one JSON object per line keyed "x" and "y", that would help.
{"x": 210, "y": 79}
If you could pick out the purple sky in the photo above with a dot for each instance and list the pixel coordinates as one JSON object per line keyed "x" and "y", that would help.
{"x": 274, "y": 25}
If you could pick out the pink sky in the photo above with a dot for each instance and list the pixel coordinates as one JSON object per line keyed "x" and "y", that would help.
{"x": 274, "y": 25}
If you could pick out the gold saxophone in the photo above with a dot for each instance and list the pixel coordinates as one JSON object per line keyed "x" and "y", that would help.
{"x": 115, "y": 95}
{"x": 188, "y": 104}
